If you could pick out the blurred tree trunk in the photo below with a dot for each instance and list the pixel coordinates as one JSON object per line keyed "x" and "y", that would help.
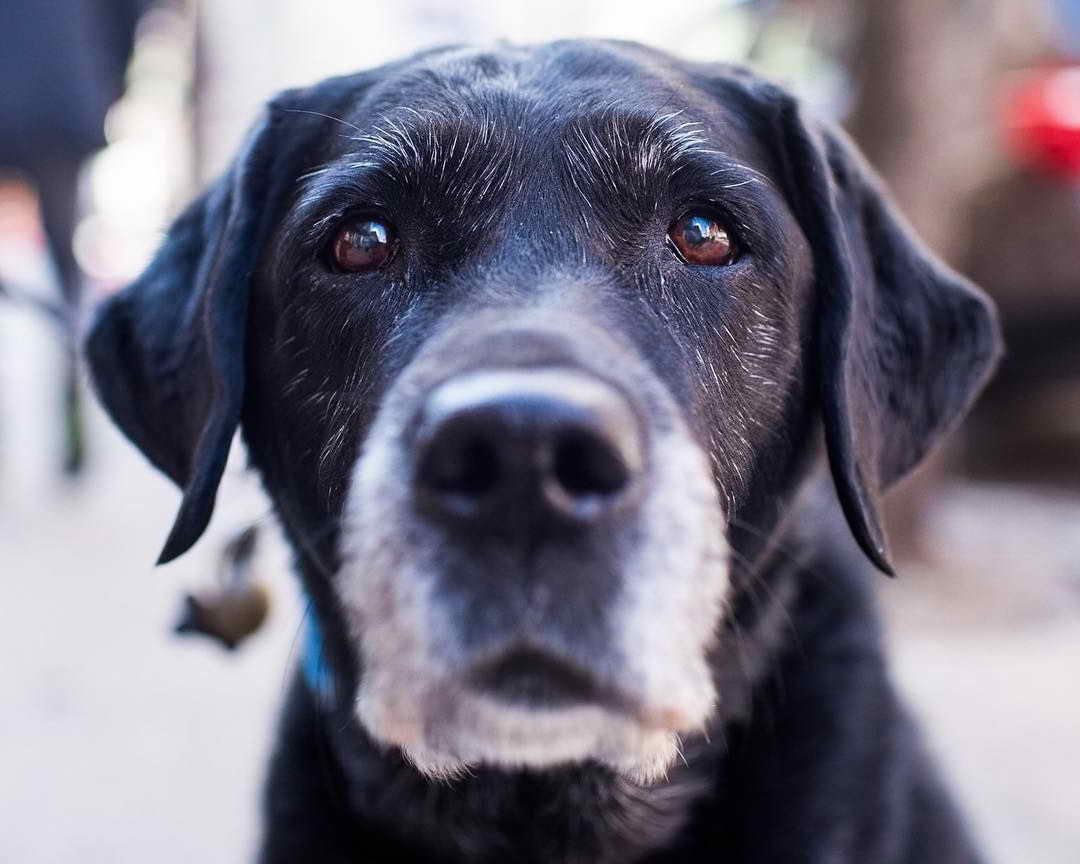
{"x": 928, "y": 74}
{"x": 922, "y": 72}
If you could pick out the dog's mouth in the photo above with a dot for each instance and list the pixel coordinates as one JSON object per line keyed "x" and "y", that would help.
{"x": 528, "y": 676}
{"x": 530, "y": 707}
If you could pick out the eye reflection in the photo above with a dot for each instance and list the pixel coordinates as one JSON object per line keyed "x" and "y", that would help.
{"x": 699, "y": 238}
{"x": 363, "y": 244}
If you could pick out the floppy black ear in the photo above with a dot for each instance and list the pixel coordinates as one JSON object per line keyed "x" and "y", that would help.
{"x": 904, "y": 343}
{"x": 166, "y": 355}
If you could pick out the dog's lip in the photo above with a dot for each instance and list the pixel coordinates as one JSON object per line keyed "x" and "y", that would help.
{"x": 527, "y": 676}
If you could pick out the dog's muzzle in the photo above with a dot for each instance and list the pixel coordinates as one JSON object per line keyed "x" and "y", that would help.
{"x": 534, "y": 569}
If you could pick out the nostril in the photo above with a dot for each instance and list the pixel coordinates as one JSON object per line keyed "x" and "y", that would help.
{"x": 467, "y": 466}
{"x": 585, "y": 464}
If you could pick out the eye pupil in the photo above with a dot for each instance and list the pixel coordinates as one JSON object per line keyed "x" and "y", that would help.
{"x": 699, "y": 238}
{"x": 363, "y": 244}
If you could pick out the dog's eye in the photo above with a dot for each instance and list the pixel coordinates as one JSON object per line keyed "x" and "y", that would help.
{"x": 363, "y": 244}
{"x": 699, "y": 238}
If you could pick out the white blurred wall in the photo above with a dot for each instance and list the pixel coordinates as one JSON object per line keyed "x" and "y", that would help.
{"x": 254, "y": 48}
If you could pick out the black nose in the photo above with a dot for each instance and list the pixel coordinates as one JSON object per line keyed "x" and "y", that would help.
{"x": 503, "y": 450}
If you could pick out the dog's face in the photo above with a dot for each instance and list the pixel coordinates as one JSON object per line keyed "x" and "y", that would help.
{"x": 518, "y": 340}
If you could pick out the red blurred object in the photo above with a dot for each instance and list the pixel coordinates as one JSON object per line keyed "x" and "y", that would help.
{"x": 1043, "y": 118}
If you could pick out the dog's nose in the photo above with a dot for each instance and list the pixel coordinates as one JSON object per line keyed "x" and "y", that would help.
{"x": 501, "y": 450}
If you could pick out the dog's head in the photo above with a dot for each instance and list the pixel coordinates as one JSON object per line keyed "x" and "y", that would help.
{"x": 517, "y": 338}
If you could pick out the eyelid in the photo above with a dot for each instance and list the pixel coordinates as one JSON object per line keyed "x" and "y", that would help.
{"x": 713, "y": 209}
{"x": 320, "y": 233}
{"x": 673, "y": 248}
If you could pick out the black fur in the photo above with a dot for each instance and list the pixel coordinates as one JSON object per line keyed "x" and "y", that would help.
{"x": 874, "y": 350}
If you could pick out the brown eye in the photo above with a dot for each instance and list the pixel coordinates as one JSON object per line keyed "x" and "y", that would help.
{"x": 363, "y": 244}
{"x": 700, "y": 239}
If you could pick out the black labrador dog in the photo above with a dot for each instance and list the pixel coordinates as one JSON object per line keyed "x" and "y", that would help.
{"x": 564, "y": 367}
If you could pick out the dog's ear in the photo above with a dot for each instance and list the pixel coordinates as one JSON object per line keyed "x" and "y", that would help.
{"x": 166, "y": 354}
{"x": 904, "y": 344}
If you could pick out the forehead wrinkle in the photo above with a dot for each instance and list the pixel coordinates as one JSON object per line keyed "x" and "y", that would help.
{"x": 630, "y": 152}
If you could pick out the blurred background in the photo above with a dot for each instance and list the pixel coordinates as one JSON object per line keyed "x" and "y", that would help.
{"x": 120, "y": 742}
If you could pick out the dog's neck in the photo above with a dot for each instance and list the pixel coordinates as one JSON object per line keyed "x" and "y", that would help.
{"x": 574, "y": 813}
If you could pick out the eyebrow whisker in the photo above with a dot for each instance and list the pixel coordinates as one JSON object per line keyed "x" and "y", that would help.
{"x": 340, "y": 120}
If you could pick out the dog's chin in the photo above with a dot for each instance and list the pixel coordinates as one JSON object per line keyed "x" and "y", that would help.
{"x": 462, "y": 730}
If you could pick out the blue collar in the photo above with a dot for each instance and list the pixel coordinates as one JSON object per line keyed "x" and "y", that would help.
{"x": 317, "y": 673}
